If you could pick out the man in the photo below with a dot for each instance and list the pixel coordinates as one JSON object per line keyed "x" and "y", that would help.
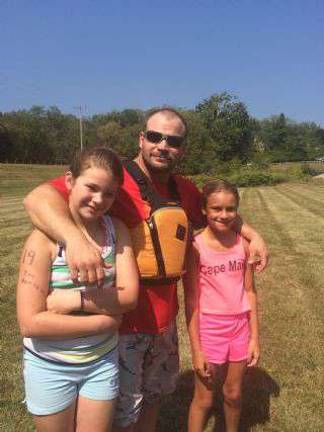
{"x": 148, "y": 341}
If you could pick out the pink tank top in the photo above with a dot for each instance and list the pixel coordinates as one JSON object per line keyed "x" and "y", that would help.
{"x": 221, "y": 279}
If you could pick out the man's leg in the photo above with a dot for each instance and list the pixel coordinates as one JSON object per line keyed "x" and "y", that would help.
{"x": 129, "y": 428}
{"x": 132, "y": 350}
{"x": 160, "y": 373}
{"x": 148, "y": 417}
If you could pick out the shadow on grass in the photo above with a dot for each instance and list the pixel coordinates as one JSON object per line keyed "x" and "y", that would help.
{"x": 258, "y": 388}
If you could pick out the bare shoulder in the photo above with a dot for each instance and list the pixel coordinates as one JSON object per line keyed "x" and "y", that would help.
{"x": 38, "y": 238}
{"x": 38, "y": 241}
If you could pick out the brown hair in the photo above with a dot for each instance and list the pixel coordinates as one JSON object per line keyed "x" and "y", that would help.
{"x": 100, "y": 157}
{"x": 219, "y": 185}
{"x": 170, "y": 113}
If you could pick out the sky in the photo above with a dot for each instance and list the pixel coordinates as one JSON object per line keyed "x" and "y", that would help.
{"x": 108, "y": 55}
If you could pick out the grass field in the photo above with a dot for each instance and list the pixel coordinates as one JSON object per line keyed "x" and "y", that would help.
{"x": 285, "y": 393}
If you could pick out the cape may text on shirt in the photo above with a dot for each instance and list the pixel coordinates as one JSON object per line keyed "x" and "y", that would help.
{"x": 231, "y": 266}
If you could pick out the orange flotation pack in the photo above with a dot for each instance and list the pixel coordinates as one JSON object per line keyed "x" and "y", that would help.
{"x": 160, "y": 241}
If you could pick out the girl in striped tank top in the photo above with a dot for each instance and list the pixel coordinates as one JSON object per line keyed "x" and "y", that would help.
{"x": 70, "y": 355}
{"x": 221, "y": 307}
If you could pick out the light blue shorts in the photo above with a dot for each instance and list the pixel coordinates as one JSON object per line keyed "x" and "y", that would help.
{"x": 52, "y": 387}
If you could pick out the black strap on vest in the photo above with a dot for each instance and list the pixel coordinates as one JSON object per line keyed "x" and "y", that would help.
{"x": 147, "y": 190}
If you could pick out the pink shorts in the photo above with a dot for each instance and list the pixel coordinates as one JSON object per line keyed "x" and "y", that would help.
{"x": 224, "y": 338}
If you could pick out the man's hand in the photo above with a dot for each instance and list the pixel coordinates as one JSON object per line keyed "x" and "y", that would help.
{"x": 259, "y": 256}
{"x": 84, "y": 260}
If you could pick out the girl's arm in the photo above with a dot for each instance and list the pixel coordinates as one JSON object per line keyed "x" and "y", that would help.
{"x": 127, "y": 277}
{"x": 254, "y": 347}
{"x": 32, "y": 290}
{"x": 191, "y": 294}
{"x": 111, "y": 301}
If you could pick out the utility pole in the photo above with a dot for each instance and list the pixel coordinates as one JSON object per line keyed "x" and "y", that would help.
{"x": 79, "y": 108}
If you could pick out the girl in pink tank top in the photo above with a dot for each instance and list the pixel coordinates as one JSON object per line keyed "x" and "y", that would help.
{"x": 221, "y": 307}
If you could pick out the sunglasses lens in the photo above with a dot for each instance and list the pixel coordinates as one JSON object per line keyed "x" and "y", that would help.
{"x": 153, "y": 137}
{"x": 175, "y": 141}
{"x": 172, "y": 140}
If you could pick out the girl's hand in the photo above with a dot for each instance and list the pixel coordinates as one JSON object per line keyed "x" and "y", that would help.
{"x": 201, "y": 365}
{"x": 253, "y": 353}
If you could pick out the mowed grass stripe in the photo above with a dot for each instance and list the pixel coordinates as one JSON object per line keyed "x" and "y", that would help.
{"x": 312, "y": 188}
{"x": 289, "y": 328}
{"x": 300, "y": 223}
{"x": 304, "y": 200}
{"x": 304, "y": 267}
{"x": 307, "y": 250}
{"x": 10, "y": 211}
{"x": 8, "y": 205}
{"x": 9, "y": 225}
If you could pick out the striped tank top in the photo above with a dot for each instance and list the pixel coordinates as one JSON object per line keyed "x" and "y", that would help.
{"x": 83, "y": 349}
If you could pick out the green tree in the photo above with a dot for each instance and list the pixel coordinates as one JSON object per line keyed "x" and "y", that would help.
{"x": 199, "y": 150}
{"x": 5, "y": 144}
{"x": 228, "y": 122}
{"x": 110, "y": 134}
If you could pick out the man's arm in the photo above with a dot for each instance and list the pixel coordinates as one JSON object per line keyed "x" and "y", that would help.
{"x": 49, "y": 212}
{"x": 112, "y": 300}
{"x": 258, "y": 252}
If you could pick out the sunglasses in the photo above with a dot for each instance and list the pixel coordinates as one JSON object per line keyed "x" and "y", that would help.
{"x": 172, "y": 140}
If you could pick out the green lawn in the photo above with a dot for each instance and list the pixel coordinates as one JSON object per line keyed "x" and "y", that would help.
{"x": 286, "y": 392}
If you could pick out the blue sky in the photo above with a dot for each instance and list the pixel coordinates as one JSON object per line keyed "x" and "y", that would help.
{"x": 138, "y": 54}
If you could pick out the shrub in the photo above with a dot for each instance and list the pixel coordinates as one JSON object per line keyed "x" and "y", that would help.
{"x": 253, "y": 177}
{"x": 298, "y": 172}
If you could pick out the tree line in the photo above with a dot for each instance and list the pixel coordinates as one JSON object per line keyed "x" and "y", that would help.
{"x": 220, "y": 131}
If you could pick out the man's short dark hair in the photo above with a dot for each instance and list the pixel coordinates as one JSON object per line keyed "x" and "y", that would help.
{"x": 169, "y": 113}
